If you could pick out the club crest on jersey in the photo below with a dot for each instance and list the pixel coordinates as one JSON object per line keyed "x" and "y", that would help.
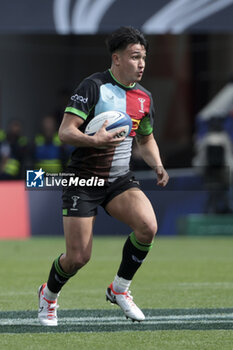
{"x": 141, "y": 100}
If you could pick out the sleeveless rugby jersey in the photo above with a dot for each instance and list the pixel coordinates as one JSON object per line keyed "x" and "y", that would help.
{"x": 98, "y": 93}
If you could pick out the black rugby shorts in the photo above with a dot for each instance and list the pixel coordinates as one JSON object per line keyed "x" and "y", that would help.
{"x": 83, "y": 201}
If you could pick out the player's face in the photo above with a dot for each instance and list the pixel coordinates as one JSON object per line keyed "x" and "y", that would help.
{"x": 131, "y": 63}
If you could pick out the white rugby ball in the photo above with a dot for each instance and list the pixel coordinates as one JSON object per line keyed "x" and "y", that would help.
{"x": 116, "y": 121}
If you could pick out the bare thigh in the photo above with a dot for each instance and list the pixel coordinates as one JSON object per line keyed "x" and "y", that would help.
{"x": 78, "y": 236}
{"x": 134, "y": 209}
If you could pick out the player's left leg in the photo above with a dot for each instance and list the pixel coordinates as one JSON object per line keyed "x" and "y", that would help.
{"x": 134, "y": 209}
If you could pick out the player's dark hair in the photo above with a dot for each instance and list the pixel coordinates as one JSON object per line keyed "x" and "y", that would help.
{"x": 124, "y": 36}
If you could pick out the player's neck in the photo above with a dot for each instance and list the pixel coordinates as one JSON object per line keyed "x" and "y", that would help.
{"x": 117, "y": 76}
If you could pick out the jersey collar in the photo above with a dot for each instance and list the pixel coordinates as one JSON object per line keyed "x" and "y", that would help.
{"x": 125, "y": 86}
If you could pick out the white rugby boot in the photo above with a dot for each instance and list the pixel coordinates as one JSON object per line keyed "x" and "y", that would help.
{"x": 125, "y": 301}
{"x": 47, "y": 312}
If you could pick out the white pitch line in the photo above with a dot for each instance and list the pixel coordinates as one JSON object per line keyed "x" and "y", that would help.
{"x": 150, "y": 318}
{"x": 153, "y": 320}
{"x": 34, "y": 322}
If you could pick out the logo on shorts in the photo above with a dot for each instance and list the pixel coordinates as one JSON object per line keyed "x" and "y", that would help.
{"x": 35, "y": 178}
{"x": 75, "y": 200}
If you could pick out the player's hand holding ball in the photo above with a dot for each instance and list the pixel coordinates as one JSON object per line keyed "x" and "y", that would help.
{"x": 109, "y": 128}
{"x": 105, "y": 139}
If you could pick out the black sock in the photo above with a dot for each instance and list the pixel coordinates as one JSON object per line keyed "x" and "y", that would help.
{"x": 133, "y": 255}
{"x": 57, "y": 277}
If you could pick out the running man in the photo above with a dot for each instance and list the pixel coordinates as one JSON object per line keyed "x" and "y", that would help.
{"x": 107, "y": 156}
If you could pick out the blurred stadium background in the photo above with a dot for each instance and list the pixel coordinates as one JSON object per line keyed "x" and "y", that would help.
{"x": 48, "y": 47}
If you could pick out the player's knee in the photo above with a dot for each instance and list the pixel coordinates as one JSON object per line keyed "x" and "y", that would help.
{"x": 148, "y": 231}
{"x": 151, "y": 229}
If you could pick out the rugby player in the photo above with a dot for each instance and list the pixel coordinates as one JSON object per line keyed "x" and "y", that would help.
{"x": 107, "y": 156}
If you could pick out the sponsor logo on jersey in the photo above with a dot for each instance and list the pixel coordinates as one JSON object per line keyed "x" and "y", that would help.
{"x": 79, "y": 98}
{"x": 135, "y": 123}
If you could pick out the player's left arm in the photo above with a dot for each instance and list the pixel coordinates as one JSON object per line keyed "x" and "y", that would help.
{"x": 149, "y": 151}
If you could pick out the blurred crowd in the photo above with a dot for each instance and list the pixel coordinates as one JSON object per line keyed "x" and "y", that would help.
{"x": 44, "y": 150}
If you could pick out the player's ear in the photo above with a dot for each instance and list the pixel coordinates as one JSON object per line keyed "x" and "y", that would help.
{"x": 116, "y": 58}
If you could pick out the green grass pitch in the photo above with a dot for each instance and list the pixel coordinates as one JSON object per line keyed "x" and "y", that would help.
{"x": 185, "y": 288}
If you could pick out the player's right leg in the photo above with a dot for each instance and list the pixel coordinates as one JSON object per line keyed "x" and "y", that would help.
{"x": 78, "y": 235}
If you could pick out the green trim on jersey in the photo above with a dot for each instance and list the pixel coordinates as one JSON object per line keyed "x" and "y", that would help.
{"x": 77, "y": 112}
{"x": 128, "y": 87}
{"x": 141, "y": 246}
{"x": 145, "y": 127}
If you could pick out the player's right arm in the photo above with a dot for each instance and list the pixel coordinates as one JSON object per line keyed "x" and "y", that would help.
{"x": 69, "y": 133}
{"x": 79, "y": 107}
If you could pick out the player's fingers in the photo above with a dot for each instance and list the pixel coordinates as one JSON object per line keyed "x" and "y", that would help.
{"x": 118, "y": 141}
{"x": 162, "y": 176}
{"x": 115, "y": 142}
{"x": 118, "y": 134}
{"x": 162, "y": 181}
{"x": 104, "y": 125}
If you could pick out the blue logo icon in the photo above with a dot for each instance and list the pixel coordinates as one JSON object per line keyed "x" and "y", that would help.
{"x": 35, "y": 178}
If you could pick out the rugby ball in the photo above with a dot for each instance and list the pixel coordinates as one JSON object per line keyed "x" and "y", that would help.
{"x": 116, "y": 121}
